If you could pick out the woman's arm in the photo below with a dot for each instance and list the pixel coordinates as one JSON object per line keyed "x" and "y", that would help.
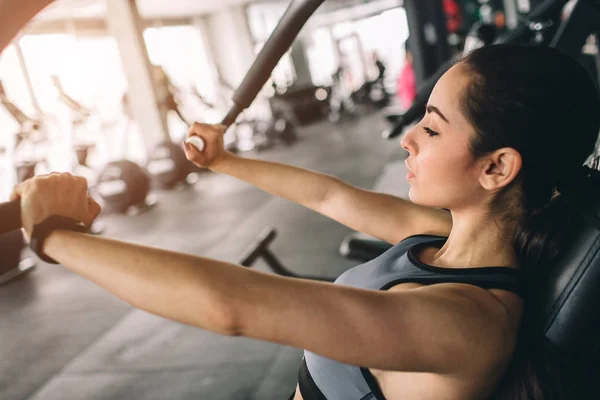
{"x": 302, "y": 186}
{"x": 21, "y": 12}
{"x": 188, "y": 289}
{"x": 380, "y": 215}
{"x": 431, "y": 329}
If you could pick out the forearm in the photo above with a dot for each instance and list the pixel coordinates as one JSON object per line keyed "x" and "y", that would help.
{"x": 20, "y": 13}
{"x": 296, "y": 184}
{"x": 188, "y": 289}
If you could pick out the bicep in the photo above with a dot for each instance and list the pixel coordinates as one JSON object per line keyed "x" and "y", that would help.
{"x": 429, "y": 331}
{"x": 383, "y": 216}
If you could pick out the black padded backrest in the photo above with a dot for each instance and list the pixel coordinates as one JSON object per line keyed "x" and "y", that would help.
{"x": 571, "y": 297}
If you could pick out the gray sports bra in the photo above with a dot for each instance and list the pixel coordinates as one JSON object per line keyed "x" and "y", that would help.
{"x": 321, "y": 378}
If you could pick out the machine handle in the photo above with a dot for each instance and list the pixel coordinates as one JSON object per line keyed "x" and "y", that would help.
{"x": 294, "y": 18}
{"x": 10, "y": 216}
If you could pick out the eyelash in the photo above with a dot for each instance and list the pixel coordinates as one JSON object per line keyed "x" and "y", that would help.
{"x": 430, "y": 132}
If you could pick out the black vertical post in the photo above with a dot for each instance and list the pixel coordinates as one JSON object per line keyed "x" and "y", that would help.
{"x": 428, "y": 40}
{"x": 573, "y": 33}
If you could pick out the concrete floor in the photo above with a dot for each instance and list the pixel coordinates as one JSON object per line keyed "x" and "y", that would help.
{"x": 62, "y": 337}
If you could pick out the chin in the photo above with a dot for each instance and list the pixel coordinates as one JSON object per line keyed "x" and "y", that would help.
{"x": 415, "y": 198}
{"x": 423, "y": 200}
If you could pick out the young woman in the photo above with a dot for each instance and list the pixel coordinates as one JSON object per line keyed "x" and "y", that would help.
{"x": 441, "y": 315}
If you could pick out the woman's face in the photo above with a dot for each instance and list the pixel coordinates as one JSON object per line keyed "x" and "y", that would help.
{"x": 442, "y": 172}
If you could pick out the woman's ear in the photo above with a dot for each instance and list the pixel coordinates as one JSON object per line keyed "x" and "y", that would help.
{"x": 500, "y": 168}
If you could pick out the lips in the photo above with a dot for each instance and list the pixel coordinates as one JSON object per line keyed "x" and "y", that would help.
{"x": 409, "y": 169}
{"x": 410, "y": 175}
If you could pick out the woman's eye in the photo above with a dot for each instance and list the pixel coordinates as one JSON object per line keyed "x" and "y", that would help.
{"x": 430, "y": 132}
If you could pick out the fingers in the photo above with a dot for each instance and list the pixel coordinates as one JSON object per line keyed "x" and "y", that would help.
{"x": 196, "y": 142}
{"x": 21, "y": 189}
{"x": 206, "y": 131}
{"x": 193, "y": 155}
{"x": 16, "y": 193}
{"x": 55, "y": 194}
{"x": 80, "y": 185}
{"x": 93, "y": 210}
{"x": 212, "y": 139}
{"x": 63, "y": 184}
{"x": 81, "y": 196}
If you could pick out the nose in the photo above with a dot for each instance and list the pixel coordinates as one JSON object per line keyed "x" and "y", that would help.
{"x": 404, "y": 144}
{"x": 407, "y": 141}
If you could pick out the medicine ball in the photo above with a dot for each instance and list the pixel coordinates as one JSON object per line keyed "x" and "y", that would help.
{"x": 123, "y": 184}
{"x": 168, "y": 165}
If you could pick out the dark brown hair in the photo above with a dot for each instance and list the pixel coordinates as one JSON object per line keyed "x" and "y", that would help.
{"x": 542, "y": 103}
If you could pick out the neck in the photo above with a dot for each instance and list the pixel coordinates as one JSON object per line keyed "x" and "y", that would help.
{"x": 476, "y": 241}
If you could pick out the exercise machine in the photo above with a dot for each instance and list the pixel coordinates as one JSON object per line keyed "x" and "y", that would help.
{"x": 207, "y": 108}
{"x": 81, "y": 144}
{"x": 478, "y": 36}
{"x": 123, "y": 185}
{"x": 252, "y": 133}
{"x": 541, "y": 27}
{"x": 373, "y": 92}
{"x": 302, "y": 104}
{"x": 567, "y": 298}
{"x": 341, "y": 102}
{"x": 80, "y": 138}
{"x": 12, "y": 264}
{"x": 30, "y": 149}
{"x": 167, "y": 164}
{"x": 260, "y": 251}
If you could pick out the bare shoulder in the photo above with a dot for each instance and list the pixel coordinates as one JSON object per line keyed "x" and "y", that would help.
{"x": 476, "y": 324}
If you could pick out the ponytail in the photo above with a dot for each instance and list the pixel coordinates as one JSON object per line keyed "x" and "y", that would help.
{"x": 540, "y": 240}
{"x": 546, "y": 232}
{"x": 543, "y": 233}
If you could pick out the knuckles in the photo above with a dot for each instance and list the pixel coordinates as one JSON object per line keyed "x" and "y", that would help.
{"x": 55, "y": 182}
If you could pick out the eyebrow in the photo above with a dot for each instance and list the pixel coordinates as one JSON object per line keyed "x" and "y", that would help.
{"x": 434, "y": 109}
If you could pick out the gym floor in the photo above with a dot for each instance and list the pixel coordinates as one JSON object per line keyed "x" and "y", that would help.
{"x": 62, "y": 337}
